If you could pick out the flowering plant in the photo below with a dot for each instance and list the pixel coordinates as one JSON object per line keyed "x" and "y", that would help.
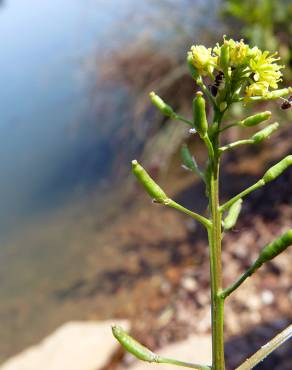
{"x": 239, "y": 74}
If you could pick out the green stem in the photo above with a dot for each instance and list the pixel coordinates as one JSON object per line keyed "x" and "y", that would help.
{"x": 163, "y": 360}
{"x": 217, "y": 302}
{"x": 226, "y": 292}
{"x": 235, "y": 144}
{"x": 182, "y": 119}
{"x": 203, "y": 220}
{"x": 209, "y": 145}
{"x": 206, "y": 91}
{"x": 245, "y": 192}
{"x": 229, "y": 126}
{"x": 265, "y": 350}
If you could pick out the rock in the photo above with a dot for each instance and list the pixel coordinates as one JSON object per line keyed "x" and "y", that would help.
{"x": 197, "y": 349}
{"x": 189, "y": 284}
{"x": 75, "y": 345}
{"x": 267, "y": 297}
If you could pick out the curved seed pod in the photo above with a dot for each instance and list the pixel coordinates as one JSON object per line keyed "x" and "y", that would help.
{"x": 187, "y": 158}
{"x": 192, "y": 69}
{"x": 224, "y": 57}
{"x": 199, "y": 112}
{"x": 265, "y": 133}
{"x": 255, "y": 119}
{"x": 278, "y": 93}
{"x": 276, "y": 247}
{"x": 234, "y": 211}
{"x": 277, "y": 169}
{"x": 189, "y": 161}
{"x": 149, "y": 184}
{"x": 161, "y": 105}
{"x": 132, "y": 346}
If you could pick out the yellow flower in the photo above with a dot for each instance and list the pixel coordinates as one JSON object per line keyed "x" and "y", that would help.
{"x": 203, "y": 60}
{"x": 257, "y": 89}
{"x": 265, "y": 69}
{"x": 238, "y": 52}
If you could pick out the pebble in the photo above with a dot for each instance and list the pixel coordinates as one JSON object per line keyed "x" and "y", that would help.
{"x": 267, "y": 297}
{"x": 189, "y": 284}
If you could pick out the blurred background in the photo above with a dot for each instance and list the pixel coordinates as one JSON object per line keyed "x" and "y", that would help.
{"x": 79, "y": 240}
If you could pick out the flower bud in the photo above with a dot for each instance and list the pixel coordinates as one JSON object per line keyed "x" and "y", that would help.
{"x": 199, "y": 113}
{"x": 161, "y": 105}
{"x": 277, "y": 169}
{"x": 255, "y": 119}
{"x": 264, "y": 133}
{"x": 149, "y": 184}
{"x": 132, "y": 346}
{"x": 275, "y": 248}
{"x": 224, "y": 57}
{"x": 192, "y": 69}
{"x": 231, "y": 218}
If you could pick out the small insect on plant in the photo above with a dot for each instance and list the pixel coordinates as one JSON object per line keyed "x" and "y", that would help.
{"x": 240, "y": 74}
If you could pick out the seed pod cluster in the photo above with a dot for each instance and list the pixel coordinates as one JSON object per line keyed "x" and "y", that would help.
{"x": 199, "y": 114}
{"x": 161, "y": 105}
{"x": 149, "y": 184}
{"x": 132, "y": 346}
{"x": 277, "y": 169}
{"x": 255, "y": 119}
{"x": 232, "y": 216}
{"x": 265, "y": 133}
{"x": 275, "y": 248}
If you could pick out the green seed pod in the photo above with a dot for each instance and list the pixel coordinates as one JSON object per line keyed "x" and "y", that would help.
{"x": 276, "y": 247}
{"x": 224, "y": 57}
{"x": 278, "y": 93}
{"x": 132, "y": 346}
{"x": 265, "y": 133}
{"x": 192, "y": 69}
{"x": 277, "y": 169}
{"x": 187, "y": 158}
{"x": 161, "y": 105}
{"x": 199, "y": 113}
{"x": 255, "y": 119}
{"x": 234, "y": 211}
{"x": 149, "y": 184}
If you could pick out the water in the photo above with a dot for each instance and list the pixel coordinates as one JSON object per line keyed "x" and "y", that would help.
{"x": 47, "y": 65}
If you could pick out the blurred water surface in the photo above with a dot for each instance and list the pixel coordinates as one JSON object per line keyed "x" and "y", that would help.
{"x": 46, "y": 72}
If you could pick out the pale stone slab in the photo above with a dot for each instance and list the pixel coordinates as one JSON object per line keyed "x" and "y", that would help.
{"x": 74, "y": 346}
{"x": 195, "y": 349}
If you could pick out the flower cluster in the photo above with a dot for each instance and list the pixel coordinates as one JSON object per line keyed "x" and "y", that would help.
{"x": 256, "y": 72}
{"x": 203, "y": 60}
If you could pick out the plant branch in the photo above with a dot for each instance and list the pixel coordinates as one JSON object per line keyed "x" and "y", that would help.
{"x": 267, "y": 349}
{"x": 203, "y": 220}
{"x": 209, "y": 145}
{"x": 163, "y": 360}
{"x": 235, "y": 144}
{"x": 245, "y": 192}
{"x": 226, "y": 292}
{"x": 206, "y": 91}
{"x": 182, "y": 119}
{"x": 229, "y": 126}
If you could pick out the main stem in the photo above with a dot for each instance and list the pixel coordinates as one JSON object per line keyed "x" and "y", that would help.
{"x": 214, "y": 235}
